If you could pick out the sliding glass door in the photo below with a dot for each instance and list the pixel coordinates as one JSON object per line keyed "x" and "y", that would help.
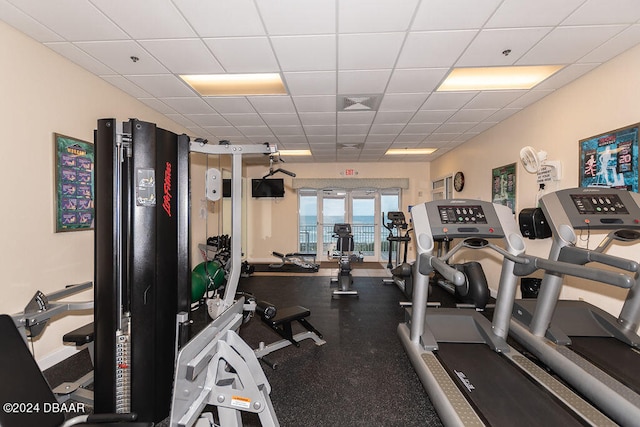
{"x": 320, "y": 210}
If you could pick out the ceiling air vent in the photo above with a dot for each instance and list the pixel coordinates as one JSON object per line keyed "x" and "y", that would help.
{"x": 358, "y": 102}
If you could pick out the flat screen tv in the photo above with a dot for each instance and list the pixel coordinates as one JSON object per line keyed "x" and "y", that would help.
{"x": 267, "y": 187}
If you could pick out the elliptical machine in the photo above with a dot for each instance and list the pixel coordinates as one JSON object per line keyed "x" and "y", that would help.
{"x": 474, "y": 292}
{"x": 344, "y": 253}
{"x": 399, "y": 230}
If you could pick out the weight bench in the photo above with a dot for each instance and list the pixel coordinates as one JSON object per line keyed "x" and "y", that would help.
{"x": 77, "y": 390}
{"x": 302, "y": 260}
{"x": 280, "y": 320}
{"x": 26, "y": 396}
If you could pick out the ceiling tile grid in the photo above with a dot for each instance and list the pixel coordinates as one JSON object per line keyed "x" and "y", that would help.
{"x": 394, "y": 53}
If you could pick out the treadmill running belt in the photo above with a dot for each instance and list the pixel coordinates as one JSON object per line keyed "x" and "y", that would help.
{"x": 612, "y": 356}
{"x": 502, "y": 394}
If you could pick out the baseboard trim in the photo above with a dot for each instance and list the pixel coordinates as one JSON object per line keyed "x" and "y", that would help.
{"x": 56, "y": 357}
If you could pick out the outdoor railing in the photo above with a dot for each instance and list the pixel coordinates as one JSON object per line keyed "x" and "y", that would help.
{"x": 363, "y": 238}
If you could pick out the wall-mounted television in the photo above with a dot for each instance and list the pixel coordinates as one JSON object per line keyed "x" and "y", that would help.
{"x": 267, "y": 187}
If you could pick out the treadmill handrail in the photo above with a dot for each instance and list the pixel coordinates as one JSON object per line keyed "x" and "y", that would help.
{"x": 430, "y": 262}
{"x": 576, "y": 255}
{"x": 527, "y": 264}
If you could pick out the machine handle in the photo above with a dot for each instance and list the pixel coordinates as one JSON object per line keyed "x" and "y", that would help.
{"x": 534, "y": 263}
{"x": 575, "y": 255}
{"x": 451, "y": 274}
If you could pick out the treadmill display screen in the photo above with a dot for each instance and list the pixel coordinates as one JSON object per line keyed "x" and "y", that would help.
{"x": 599, "y": 204}
{"x": 462, "y": 215}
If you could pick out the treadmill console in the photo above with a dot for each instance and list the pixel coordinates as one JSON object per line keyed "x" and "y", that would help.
{"x": 462, "y": 215}
{"x": 593, "y": 208}
{"x": 460, "y": 218}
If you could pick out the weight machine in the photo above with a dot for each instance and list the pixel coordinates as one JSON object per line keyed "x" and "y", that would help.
{"x": 145, "y": 362}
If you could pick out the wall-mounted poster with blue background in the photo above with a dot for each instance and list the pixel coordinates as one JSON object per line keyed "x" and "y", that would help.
{"x": 610, "y": 160}
{"x": 74, "y": 184}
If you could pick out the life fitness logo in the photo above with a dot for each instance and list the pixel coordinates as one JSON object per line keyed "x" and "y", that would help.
{"x": 166, "y": 197}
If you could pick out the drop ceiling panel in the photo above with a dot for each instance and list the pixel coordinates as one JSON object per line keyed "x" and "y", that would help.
{"x": 271, "y": 104}
{"x": 293, "y": 17}
{"x": 566, "y": 75}
{"x": 276, "y": 119}
{"x": 18, "y": 19}
{"x": 163, "y": 85}
{"x": 494, "y": 99}
{"x": 614, "y": 46}
{"x": 127, "y": 86}
{"x": 117, "y": 55}
{"x": 189, "y": 105}
{"x": 396, "y": 51}
{"x": 368, "y": 51}
{"x": 61, "y": 16}
{"x": 402, "y": 102}
{"x": 162, "y": 21}
{"x": 244, "y": 119}
{"x": 539, "y": 13}
{"x": 217, "y": 19}
{"x": 184, "y": 56}
{"x": 434, "y": 49}
{"x": 313, "y": 104}
{"x": 326, "y": 130}
{"x": 416, "y": 80}
{"x": 315, "y": 119}
{"x": 594, "y": 12}
{"x": 446, "y": 14}
{"x": 447, "y": 100}
{"x": 303, "y": 53}
{"x": 432, "y": 116}
{"x": 208, "y": 119}
{"x": 365, "y": 16}
{"x": 261, "y": 60}
{"x": 363, "y": 81}
{"x": 568, "y": 44}
{"x": 393, "y": 117}
{"x": 312, "y": 83}
{"x": 490, "y": 47}
{"x": 356, "y": 117}
{"x": 80, "y": 57}
{"x": 231, "y": 104}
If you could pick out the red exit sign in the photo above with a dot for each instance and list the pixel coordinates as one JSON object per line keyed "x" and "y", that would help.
{"x": 349, "y": 172}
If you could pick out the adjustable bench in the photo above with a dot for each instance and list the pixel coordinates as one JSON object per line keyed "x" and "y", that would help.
{"x": 77, "y": 390}
{"x": 280, "y": 321}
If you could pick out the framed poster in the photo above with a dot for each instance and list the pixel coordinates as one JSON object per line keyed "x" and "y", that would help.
{"x": 503, "y": 186}
{"x": 74, "y": 162}
{"x": 610, "y": 159}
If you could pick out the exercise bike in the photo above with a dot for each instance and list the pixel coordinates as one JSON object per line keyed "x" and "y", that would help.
{"x": 344, "y": 253}
{"x": 399, "y": 231}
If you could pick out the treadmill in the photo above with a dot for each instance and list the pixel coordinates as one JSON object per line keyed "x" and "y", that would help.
{"x": 589, "y": 348}
{"x": 472, "y": 376}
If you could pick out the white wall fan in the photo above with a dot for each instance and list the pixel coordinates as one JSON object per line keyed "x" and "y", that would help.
{"x": 536, "y": 162}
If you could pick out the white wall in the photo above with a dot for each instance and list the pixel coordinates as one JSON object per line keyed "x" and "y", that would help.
{"x": 43, "y": 93}
{"x": 273, "y": 223}
{"x": 605, "y": 99}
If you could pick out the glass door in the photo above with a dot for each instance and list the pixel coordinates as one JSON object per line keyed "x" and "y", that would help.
{"x": 334, "y": 211}
{"x": 363, "y": 220}
{"x": 319, "y": 210}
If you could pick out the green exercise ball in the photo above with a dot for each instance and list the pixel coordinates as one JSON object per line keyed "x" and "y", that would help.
{"x": 206, "y": 280}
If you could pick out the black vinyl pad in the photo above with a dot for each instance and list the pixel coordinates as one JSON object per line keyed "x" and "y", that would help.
{"x": 25, "y": 395}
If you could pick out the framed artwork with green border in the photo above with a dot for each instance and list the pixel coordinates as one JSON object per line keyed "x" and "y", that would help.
{"x": 74, "y": 190}
{"x": 503, "y": 186}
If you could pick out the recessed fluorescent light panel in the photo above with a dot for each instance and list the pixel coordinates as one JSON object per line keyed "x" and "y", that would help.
{"x": 404, "y": 151}
{"x": 236, "y": 84}
{"x": 294, "y": 152}
{"x": 497, "y": 78}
